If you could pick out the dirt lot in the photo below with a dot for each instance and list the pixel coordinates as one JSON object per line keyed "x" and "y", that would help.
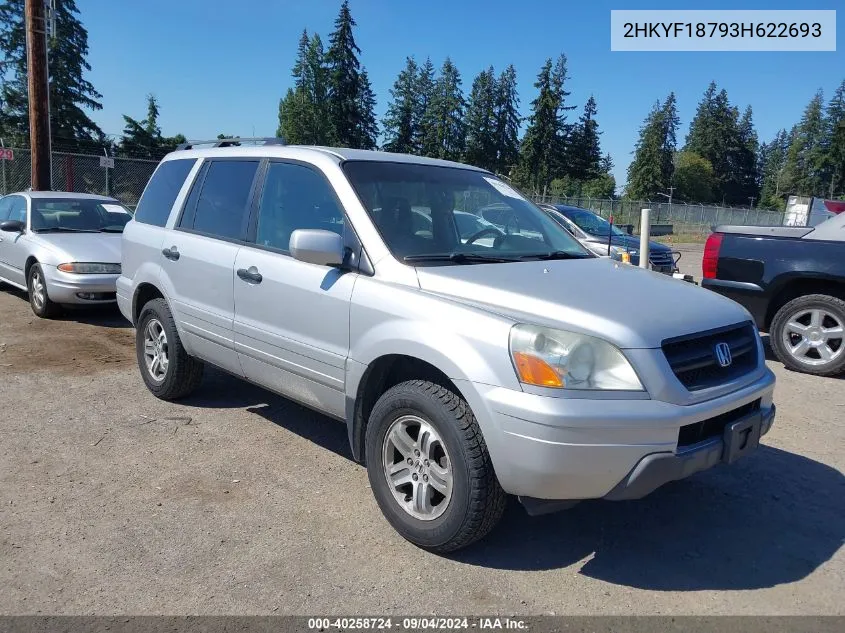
{"x": 238, "y": 501}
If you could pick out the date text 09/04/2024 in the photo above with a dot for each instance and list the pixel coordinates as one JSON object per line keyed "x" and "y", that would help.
{"x": 416, "y": 623}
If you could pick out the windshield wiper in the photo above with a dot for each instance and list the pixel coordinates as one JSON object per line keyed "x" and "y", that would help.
{"x": 107, "y": 229}
{"x": 63, "y": 229}
{"x": 556, "y": 255}
{"x": 458, "y": 258}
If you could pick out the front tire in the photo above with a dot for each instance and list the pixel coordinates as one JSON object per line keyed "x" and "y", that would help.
{"x": 429, "y": 468}
{"x": 39, "y": 301}
{"x": 167, "y": 369}
{"x": 807, "y": 335}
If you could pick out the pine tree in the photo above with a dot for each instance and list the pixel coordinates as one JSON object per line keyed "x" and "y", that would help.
{"x": 560, "y": 162}
{"x": 805, "y": 158}
{"x": 444, "y": 132}
{"x": 401, "y": 120}
{"x": 70, "y": 93}
{"x": 693, "y": 177}
{"x": 835, "y": 143}
{"x": 538, "y": 152}
{"x": 647, "y": 173}
{"x": 481, "y": 149}
{"x": 351, "y": 123}
{"x": 368, "y": 126}
{"x": 584, "y": 160}
{"x": 669, "y": 121}
{"x": 425, "y": 142}
{"x": 507, "y": 117}
{"x": 303, "y": 112}
{"x": 771, "y": 166}
{"x": 143, "y": 139}
{"x": 747, "y": 174}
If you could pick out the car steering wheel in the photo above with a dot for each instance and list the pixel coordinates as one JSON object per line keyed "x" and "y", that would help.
{"x": 492, "y": 230}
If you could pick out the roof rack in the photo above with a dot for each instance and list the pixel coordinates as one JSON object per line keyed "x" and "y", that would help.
{"x": 228, "y": 142}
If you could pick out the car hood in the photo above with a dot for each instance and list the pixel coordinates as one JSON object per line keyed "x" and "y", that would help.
{"x": 82, "y": 247}
{"x": 629, "y": 242}
{"x": 629, "y": 306}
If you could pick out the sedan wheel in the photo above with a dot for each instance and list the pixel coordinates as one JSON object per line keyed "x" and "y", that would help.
{"x": 39, "y": 300}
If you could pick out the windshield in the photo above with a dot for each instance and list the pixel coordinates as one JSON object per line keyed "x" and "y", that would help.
{"x": 466, "y": 216}
{"x": 67, "y": 214}
{"x": 591, "y": 223}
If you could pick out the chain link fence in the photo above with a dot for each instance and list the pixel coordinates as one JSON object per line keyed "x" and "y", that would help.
{"x": 84, "y": 173}
{"x": 685, "y": 219}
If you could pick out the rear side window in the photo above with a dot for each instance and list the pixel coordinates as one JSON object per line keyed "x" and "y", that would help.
{"x": 222, "y": 203}
{"x": 155, "y": 205}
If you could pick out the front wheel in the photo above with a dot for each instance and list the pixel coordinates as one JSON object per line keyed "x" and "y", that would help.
{"x": 429, "y": 468}
{"x": 167, "y": 369}
{"x": 39, "y": 301}
{"x": 808, "y": 335}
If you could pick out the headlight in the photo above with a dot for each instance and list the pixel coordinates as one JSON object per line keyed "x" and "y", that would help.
{"x": 565, "y": 360}
{"x": 84, "y": 268}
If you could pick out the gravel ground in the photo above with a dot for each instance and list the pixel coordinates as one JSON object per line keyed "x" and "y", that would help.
{"x": 240, "y": 502}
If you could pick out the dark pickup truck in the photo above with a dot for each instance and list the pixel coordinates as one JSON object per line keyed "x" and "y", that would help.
{"x": 792, "y": 280}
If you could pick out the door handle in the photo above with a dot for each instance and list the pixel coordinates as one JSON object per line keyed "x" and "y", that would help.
{"x": 250, "y": 275}
{"x": 171, "y": 253}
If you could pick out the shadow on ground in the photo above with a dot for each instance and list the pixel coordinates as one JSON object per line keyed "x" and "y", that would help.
{"x": 772, "y": 518}
{"x": 101, "y": 316}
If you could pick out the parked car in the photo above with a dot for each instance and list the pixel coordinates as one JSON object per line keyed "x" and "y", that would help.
{"x": 62, "y": 248}
{"x": 792, "y": 280}
{"x": 594, "y": 232}
{"x": 463, "y": 371}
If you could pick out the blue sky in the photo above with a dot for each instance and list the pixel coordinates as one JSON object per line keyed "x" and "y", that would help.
{"x": 221, "y": 66}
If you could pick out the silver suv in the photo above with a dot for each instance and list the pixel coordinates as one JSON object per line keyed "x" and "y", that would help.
{"x": 466, "y": 368}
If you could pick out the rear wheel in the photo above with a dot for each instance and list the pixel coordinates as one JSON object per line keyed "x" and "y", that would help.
{"x": 429, "y": 468}
{"x": 167, "y": 369}
{"x": 39, "y": 301}
{"x": 808, "y": 335}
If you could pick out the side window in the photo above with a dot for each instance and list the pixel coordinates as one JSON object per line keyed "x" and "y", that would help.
{"x": 5, "y": 208}
{"x": 221, "y": 208}
{"x": 18, "y": 209}
{"x": 158, "y": 198}
{"x": 295, "y": 197}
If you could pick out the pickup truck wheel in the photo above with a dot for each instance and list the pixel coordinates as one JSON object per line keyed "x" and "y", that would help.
{"x": 166, "y": 368}
{"x": 807, "y": 335}
{"x": 429, "y": 468}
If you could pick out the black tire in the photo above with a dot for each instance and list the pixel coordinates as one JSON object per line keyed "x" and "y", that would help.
{"x": 831, "y": 305}
{"x": 477, "y": 500}
{"x": 38, "y": 300}
{"x": 183, "y": 373}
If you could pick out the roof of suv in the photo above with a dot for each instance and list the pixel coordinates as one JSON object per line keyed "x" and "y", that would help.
{"x": 339, "y": 154}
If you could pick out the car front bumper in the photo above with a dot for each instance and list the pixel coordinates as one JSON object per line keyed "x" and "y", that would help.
{"x": 584, "y": 448}
{"x": 69, "y": 288}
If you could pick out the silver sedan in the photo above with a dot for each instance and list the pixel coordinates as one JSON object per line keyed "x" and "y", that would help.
{"x": 62, "y": 248}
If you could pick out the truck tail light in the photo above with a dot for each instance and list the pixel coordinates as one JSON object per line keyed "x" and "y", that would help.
{"x": 711, "y": 255}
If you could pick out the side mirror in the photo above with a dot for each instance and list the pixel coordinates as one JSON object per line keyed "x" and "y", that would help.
{"x": 12, "y": 226}
{"x": 316, "y": 246}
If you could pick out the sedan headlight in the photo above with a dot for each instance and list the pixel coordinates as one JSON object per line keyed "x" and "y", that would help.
{"x": 89, "y": 268}
{"x": 565, "y": 360}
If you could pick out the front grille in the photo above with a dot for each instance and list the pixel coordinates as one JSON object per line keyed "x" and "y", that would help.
{"x": 660, "y": 258}
{"x": 713, "y": 427}
{"x": 693, "y": 357}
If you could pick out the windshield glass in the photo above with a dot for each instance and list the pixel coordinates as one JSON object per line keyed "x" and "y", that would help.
{"x": 78, "y": 215}
{"x": 591, "y": 223}
{"x": 423, "y": 210}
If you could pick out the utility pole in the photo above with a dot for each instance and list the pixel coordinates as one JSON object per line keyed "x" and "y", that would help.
{"x": 38, "y": 87}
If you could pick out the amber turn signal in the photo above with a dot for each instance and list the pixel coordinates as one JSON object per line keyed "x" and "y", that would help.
{"x": 535, "y": 371}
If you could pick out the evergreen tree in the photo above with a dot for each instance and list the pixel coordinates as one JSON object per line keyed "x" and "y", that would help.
{"x": 70, "y": 93}
{"x": 303, "y": 112}
{"x": 481, "y": 149}
{"x": 584, "y": 161}
{"x": 444, "y": 132}
{"x": 143, "y": 139}
{"x": 693, "y": 177}
{"x": 771, "y": 166}
{"x": 425, "y": 142}
{"x": 747, "y": 174}
{"x": 606, "y": 164}
{"x": 804, "y": 171}
{"x": 368, "y": 126}
{"x": 835, "y": 143}
{"x": 506, "y": 112}
{"x": 647, "y": 173}
{"x": 542, "y": 140}
{"x": 352, "y": 124}
{"x": 669, "y": 121}
{"x": 560, "y": 163}
{"x": 401, "y": 120}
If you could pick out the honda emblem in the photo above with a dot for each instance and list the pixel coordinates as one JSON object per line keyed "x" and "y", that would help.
{"x": 723, "y": 354}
